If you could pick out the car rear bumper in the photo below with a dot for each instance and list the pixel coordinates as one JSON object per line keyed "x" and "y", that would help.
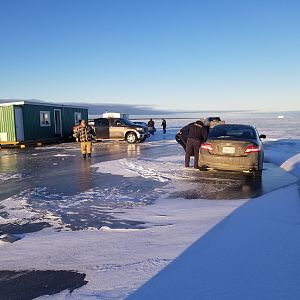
{"x": 232, "y": 163}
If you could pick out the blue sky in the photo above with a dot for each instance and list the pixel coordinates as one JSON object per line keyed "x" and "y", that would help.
{"x": 213, "y": 54}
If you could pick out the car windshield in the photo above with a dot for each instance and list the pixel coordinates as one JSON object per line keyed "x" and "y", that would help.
{"x": 236, "y": 132}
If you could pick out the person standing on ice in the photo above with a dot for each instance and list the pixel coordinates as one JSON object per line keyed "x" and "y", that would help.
{"x": 197, "y": 134}
{"x": 164, "y": 125}
{"x": 85, "y": 134}
{"x": 151, "y": 127}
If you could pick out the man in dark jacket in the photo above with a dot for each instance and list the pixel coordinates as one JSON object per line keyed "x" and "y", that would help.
{"x": 164, "y": 125}
{"x": 84, "y": 135}
{"x": 151, "y": 127}
{"x": 197, "y": 134}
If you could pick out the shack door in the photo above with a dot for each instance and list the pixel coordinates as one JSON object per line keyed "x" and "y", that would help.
{"x": 19, "y": 125}
{"x": 57, "y": 122}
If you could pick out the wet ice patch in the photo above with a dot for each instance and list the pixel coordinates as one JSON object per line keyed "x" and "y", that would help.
{"x": 90, "y": 209}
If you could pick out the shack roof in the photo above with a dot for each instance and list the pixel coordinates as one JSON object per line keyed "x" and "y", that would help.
{"x": 41, "y": 103}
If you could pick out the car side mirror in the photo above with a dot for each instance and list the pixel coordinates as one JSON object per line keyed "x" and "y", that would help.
{"x": 262, "y": 136}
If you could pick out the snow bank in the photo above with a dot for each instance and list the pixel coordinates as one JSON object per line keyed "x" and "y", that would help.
{"x": 292, "y": 165}
{"x": 284, "y": 153}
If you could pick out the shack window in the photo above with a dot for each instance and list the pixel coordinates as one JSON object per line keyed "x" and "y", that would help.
{"x": 77, "y": 117}
{"x": 45, "y": 118}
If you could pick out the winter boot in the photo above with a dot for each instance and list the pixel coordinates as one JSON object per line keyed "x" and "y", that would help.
{"x": 89, "y": 155}
{"x": 84, "y": 156}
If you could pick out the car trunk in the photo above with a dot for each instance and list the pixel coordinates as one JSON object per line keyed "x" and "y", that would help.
{"x": 232, "y": 148}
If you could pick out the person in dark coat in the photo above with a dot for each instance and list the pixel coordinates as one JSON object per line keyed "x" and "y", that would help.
{"x": 151, "y": 127}
{"x": 164, "y": 125}
{"x": 197, "y": 134}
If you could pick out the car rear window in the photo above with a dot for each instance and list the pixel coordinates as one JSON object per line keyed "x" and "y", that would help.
{"x": 236, "y": 132}
{"x": 214, "y": 119}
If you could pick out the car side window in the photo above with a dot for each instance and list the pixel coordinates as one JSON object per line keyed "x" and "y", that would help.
{"x": 118, "y": 122}
{"x": 101, "y": 122}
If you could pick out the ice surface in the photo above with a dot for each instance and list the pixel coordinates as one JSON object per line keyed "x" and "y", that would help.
{"x": 252, "y": 253}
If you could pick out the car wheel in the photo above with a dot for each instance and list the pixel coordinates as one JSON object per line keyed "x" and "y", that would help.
{"x": 131, "y": 138}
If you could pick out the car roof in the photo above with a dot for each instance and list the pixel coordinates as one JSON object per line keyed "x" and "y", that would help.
{"x": 236, "y": 125}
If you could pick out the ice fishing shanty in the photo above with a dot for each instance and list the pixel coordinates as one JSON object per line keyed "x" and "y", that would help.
{"x": 31, "y": 122}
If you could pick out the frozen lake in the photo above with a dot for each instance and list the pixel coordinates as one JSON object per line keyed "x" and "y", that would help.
{"x": 59, "y": 187}
{"x": 139, "y": 194}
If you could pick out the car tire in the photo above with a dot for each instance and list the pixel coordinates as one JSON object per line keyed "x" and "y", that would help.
{"x": 131, "y": 138}
{"x": 142, "y": 140}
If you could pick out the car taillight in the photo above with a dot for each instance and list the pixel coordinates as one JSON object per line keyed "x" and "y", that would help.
{"x": 252, "y": 149}
{"x": 207, "y": 147}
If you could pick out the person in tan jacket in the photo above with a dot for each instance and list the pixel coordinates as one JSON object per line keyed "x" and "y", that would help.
{"x": 85, "y": 134}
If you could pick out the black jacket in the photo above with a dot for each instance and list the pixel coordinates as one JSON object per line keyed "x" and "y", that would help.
{"x": 196, "y": 130}
{"x": 151, "y": 123}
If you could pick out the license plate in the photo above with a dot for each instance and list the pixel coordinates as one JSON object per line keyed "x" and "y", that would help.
{"x": 228, "y": 150}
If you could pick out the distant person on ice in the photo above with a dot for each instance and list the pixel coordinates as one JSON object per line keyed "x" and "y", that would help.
{"x": 164, "y": 125}
{"x": 197, "y": 134}
{"x": 85, "y": 134}
{"x": 151, "y": 127}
